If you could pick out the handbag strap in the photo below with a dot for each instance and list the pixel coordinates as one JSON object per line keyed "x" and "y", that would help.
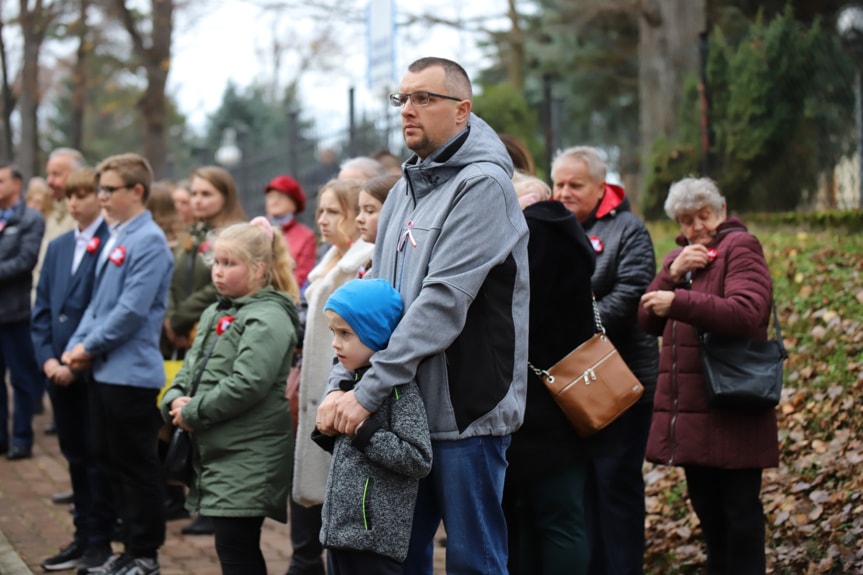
{"x": 597, "y": 319}
{"x": 200, "y": 372}
{"x": 776, "y": 329}
{"x": 597, "y": 322}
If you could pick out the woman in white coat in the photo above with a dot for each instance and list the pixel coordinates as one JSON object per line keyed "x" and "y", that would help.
{"x": 338, "y": 205}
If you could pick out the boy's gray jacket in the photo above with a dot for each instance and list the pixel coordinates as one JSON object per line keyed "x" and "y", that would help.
{"x": 453, "y": 241}
{"x": 374, "y": 477}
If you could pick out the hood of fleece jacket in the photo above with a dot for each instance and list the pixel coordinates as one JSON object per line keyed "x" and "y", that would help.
{"x": 477, "y": 142}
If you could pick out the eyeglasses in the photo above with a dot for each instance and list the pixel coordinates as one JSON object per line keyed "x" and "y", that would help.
{"x": 398, "y": 100}
{"x": 110, "y": 189}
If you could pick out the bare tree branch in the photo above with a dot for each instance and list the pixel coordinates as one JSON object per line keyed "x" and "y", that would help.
{"x": 128, "y": 22}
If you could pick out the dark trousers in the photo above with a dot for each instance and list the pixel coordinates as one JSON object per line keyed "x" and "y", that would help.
{"x": 546, "y": 524}
{"x": 728, "y": 505}
{"x": 238, "y": 545}
{"x": 615, "y": 499}
{"x": 94, "y": 507}
{"x": 126, "y": 425}
{"x": 16, "y": 355}
{"x": 307, "y": 556}
{"x": 345, "y": 562}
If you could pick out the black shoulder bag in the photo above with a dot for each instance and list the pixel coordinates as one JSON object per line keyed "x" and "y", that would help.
{"x": 178, "y": 459}
{"x": 741, "y": 373}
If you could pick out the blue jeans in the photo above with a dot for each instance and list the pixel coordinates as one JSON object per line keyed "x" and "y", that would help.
{"x": 16, "y": 354}
{"x": 464, "y": 489}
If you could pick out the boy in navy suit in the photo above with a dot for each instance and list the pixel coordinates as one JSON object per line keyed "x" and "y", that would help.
{"x": 64, "y": 291}
{"x": 119, "y": 337}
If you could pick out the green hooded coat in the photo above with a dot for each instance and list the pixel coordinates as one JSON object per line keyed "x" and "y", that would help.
{"x": 243, "y": 438}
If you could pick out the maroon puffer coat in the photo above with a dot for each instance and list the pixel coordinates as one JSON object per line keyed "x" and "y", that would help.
{"x": 732, "y": 297}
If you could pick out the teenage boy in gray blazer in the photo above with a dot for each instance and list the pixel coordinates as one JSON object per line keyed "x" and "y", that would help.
{"x": 119, "y": 337}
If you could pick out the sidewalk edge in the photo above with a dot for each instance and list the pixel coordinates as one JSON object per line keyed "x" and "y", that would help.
{"x": 10, "y": 562}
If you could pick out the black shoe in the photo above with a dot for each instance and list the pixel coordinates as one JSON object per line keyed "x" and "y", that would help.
{"x": 111, "y": 563}
{"x": 19, "y": 452}
{"x": 51, "y": 428}
{"x": 200, "y": 526}
{"x": 127, "y": 565}
{"x": 93, "y": 558}
{"x": 62, "y": 498}
{"x": 67, "y": 558}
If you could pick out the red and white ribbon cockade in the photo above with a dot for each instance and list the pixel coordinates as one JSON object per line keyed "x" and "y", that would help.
{"x": 118, "y": 255}
{"x": 223, "y": 324}
{"x": 93, "y": 244}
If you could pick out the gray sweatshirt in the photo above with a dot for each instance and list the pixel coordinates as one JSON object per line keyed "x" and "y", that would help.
{"x": 453, "y": 241}
{"x": 374, "y": 477}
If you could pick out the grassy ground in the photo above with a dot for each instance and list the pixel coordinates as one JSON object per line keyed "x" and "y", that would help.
{"x": 814, "y": 500}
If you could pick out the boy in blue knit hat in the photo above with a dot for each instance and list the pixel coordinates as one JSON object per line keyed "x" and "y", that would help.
{"x": 374, "y": 475}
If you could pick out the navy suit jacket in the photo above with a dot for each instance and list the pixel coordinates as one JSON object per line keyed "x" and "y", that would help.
{"x": 61, "y": 297}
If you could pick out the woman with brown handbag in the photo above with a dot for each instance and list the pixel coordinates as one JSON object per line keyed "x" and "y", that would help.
{"x": 544, "y": 487}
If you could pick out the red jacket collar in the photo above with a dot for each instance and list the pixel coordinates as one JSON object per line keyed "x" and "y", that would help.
{"x": 612, "y": 198}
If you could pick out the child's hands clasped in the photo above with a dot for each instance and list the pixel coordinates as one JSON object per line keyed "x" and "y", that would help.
{"x": 177, "y": 412}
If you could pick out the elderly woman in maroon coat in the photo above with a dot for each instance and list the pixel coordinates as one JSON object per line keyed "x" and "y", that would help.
{"x": 717, "y": 281}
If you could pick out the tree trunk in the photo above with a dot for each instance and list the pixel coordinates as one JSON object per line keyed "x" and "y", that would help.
{"x": 79, "y": 80}
{"x": 156, "y": 61}
{"x": 668, "y": 53}
{"x": 7, "y": 103}
{"x": 515, "y": 62}
{"x": 33, "y": 24}
{"x": 153, "y": 106}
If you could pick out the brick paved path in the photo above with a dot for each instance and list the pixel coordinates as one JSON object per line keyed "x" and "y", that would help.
{"x": 32, "y": 528}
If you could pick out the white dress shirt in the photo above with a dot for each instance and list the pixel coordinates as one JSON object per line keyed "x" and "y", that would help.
{"x": 82, "y": 239}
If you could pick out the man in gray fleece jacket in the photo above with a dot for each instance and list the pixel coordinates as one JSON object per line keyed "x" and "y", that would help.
{"x": 453, "y": 241}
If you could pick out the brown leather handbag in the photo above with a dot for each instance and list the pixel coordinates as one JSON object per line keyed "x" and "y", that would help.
{"x": 592, "y": 385}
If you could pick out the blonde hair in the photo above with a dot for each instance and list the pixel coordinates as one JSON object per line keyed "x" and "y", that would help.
{"x": 347, "y": 194}
{"x": 251, "y": 244}
{"x": 527, "y": 184}
{"x": 37, "y": 188}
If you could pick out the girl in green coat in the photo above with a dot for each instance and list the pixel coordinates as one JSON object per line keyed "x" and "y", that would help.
{"x": 238, "y": 416}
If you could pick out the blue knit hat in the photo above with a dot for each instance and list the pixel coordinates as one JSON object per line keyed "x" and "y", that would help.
{"x": 372, "y": 307}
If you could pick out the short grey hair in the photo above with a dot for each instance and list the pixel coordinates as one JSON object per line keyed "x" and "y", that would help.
{"x": 692, "y": 194}
{"x": 77, "y": 157}
{"x": 592, "y": 158}
{"x": 369, "y": 167}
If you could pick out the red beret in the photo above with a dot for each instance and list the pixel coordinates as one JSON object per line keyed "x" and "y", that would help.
{"x": 288, "y": 186}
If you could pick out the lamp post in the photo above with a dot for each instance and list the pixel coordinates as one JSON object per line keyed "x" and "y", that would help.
{"x": 849, "y": 24}
{"x": 229, "y": 154}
